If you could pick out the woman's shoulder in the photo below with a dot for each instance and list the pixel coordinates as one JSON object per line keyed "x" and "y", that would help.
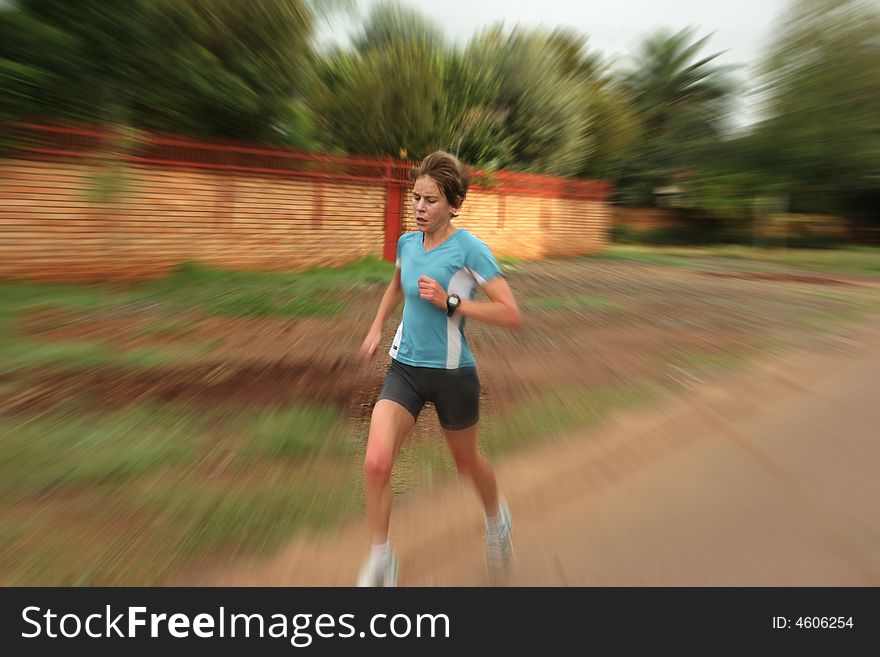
{"x": 470, "y": 242}
{"x": 407, "y": 240}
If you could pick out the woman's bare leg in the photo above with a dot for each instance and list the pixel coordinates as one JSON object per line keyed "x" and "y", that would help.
{"x": 471, "y": 465}
{"x": 389, "y": 426}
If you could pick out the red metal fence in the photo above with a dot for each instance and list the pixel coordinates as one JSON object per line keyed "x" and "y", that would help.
{"x": 41, "y": 140}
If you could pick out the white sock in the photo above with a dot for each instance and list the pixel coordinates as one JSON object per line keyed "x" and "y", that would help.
{"x": 495, "y": 524}
{"x": 379, "y": 553}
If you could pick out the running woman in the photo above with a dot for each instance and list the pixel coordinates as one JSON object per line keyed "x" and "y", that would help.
{"x": 438, "y": 270}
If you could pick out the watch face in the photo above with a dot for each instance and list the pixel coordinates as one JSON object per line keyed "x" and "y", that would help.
{"x": 453, "y": 301}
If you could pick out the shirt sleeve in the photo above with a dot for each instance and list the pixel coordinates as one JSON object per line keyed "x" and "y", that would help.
{"x": 479, "y": 260}
{"x": 399, "y": 249}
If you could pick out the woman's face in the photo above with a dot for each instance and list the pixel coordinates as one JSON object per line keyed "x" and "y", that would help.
{"x": 431, "y": 209}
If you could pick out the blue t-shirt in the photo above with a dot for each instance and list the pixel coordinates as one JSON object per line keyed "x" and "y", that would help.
{"x": 426, "y": 337}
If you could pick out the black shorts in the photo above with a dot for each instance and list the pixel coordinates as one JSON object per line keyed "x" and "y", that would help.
{"x": 454, "y": 393}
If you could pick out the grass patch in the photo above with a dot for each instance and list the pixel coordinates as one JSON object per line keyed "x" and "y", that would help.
{"x": 146, "y": 533}
{"x": 298, "y": 431}
{"x": 706, "y": 361}
{"x": 644, "y": 255}
{"x": 197, "y": 519}
{"x": 210, "y": 290}
{"x": 213, "y": 291}
{"x": 16, "y": 296}
{"x": 174, "y": 328}
{"x": 84, "y": 450}
{"x": 192, "y": 288}
{"x": 18, "y": 353}
{"x": 134, "y": 495}
{"x": 852, "y": 260}
{"x": 827, "y": 296}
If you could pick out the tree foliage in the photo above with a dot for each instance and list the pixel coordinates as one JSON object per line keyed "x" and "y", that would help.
{"x": 680, "y": 96}
{"x": 528, "y": 99}
{"x": 203, "y": 67}
{"x": 823, "y": 83}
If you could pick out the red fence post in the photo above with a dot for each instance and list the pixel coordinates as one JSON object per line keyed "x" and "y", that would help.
{"x": 318, "y": 202}
{"x": 393, "y": 211}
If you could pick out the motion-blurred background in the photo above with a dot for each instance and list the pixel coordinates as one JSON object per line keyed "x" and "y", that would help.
{"x": 198, "y": 199}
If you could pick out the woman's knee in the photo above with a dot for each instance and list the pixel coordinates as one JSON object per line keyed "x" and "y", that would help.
{"x": 466, "y": 464}
{"x": 377, "y": 468}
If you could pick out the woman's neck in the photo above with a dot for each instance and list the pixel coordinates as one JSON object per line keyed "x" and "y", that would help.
{"x": 430, "y": 240}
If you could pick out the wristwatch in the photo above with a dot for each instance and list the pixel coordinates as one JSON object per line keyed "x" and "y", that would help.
{"x": 452, "y": 302}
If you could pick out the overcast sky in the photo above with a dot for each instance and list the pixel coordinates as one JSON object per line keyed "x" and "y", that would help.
{"x": 741, "y": 28}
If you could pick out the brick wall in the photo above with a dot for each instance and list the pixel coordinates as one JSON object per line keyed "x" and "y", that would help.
{"x": 74, "y": 218}
{"x": 528, "y": 227}
{"x": 52, "y": 226}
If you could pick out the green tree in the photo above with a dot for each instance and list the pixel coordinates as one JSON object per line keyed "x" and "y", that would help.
{"x": 681, "y": 98}
{"x": 538, "y": 108}
{"x": 204, "y": 67}
{"x": 611, "y": 124}
{"x": 386, "y": 101}
{"x": 77, "y": 60}
{"x": 389, "y": 22}
{"x": 822, "y": 79}
{"x": 226, "y": 68}
{"x": 401, "y": 91}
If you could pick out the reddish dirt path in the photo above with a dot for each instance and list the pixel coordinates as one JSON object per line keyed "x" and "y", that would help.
{"x": 764, "y": 477}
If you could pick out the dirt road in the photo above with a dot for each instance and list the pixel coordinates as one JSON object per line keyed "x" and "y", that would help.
{"x": 763, "y": 477}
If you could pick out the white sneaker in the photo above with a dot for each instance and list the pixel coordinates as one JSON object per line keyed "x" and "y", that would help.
{"x": 379, "y": 574}
{"x": 499, "y": 547}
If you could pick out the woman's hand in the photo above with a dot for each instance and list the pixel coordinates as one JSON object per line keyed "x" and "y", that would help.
{"x": 432, "y": 292}
{"x": 370, "y": 347}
